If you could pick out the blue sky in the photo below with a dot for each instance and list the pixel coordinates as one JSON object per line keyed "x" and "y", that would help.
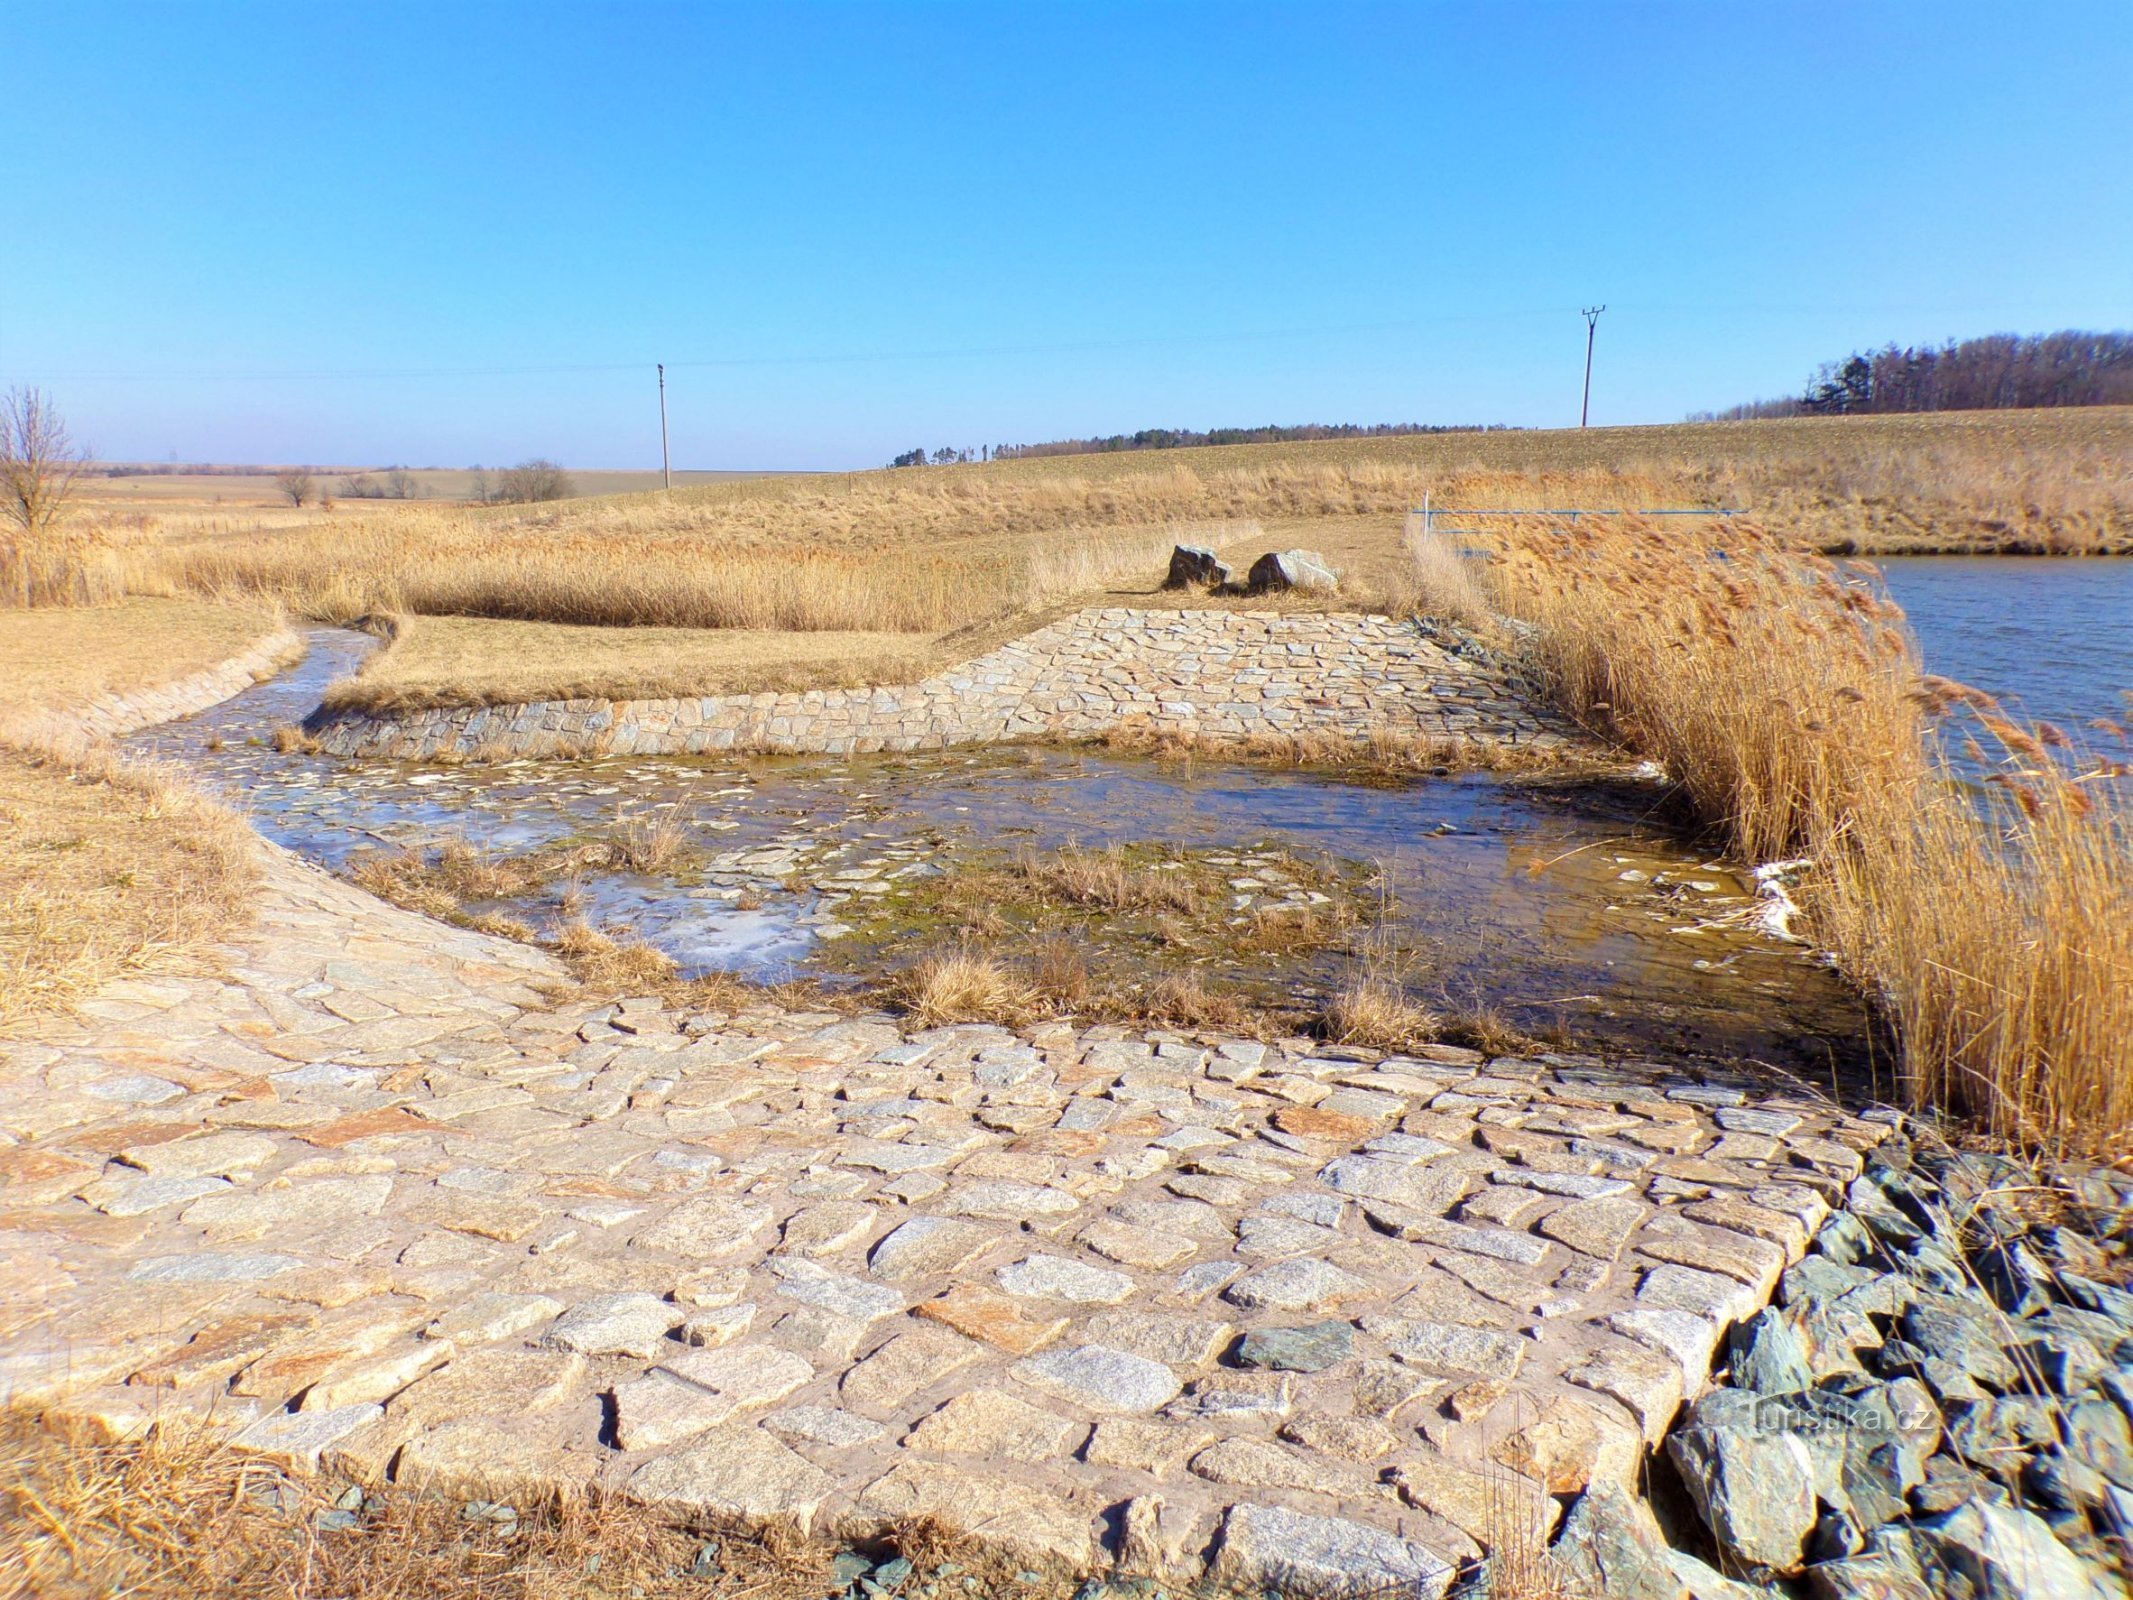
{"x": 355, "y": 234}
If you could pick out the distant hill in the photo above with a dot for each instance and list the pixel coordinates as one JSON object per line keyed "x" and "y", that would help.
{"x": 2000, "y": 372}
{"x": 1187, "y": 438}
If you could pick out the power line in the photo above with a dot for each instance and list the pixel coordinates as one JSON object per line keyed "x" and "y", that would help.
{"x": 838, "y": 358}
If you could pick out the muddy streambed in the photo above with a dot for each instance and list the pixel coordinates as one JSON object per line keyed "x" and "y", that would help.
{"x": 1565, "y": 909}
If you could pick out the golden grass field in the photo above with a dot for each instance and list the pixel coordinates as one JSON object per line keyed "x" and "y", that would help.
{"x": 931, "y": 551}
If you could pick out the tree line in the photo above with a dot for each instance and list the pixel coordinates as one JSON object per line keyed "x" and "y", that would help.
{"x": 1185, "y": 438}
{"x": 527, "y": 483}
{"x": 2001, "y": 371}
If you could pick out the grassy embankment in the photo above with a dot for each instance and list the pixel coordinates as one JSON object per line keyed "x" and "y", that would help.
{"x": 954, "y": 559}
{"x": 1786, "y": 698}
{"x": 108, "y": 870}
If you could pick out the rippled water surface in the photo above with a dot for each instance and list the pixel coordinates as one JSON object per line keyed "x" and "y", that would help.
{"x": 1556, "y": 904}
{"x": 2052, "y": 635}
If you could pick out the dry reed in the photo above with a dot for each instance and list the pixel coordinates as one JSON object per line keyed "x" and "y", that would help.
{"x": 1784, "y": 696}
{"x": 1446, "y": 581}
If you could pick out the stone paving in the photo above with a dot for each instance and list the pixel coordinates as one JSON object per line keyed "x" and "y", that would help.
{"x": 1225, "y": 674}
{"x": 386, "y": 1198}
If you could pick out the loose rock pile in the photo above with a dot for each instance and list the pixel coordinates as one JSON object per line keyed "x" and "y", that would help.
{"x": 1940, "y": 1403}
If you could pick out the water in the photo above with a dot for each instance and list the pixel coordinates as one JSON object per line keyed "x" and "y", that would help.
{"x": 1568, "y": 908}
{"x": 2053, "y": 637}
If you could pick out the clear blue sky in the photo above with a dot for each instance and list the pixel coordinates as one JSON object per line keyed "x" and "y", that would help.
{"x": 357, "y": 233}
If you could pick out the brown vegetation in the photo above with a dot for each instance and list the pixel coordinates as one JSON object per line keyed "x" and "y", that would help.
{"x": 63, "y": 658}
{"x": 108, "y": 870}
{"x": 46, "y": 559}
{"x": 456, "y": 661}
{"x": 1784, "y": 697}
{"x": 1383, "y": 753}
{"x": 1374, "y": 1011}
{"x": 175, "y": 1515}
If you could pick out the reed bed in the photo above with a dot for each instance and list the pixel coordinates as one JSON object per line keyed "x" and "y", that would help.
{"x": 1785, "y": 697}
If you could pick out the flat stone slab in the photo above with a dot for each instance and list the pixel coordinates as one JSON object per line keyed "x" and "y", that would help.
{"x": 1088, "y": 1293}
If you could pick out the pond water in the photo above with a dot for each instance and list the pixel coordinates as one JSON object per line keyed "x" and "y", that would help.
{"x": 1565, "y": 907}
{"x": 2051, "y": 636}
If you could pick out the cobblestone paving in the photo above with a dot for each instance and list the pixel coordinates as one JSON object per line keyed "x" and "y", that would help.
{"x": 1220, "y": 673}
{"x": 378, "y": 1200}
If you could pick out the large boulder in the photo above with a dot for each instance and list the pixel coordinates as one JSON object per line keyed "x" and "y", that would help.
{"x": 1752, "y": 1479}
{"x": 1195, "y": 564}
{"x": 1291, "y": 569}
{"x": 1611, "y": 1543}
{"x": 1982, "y": 1551}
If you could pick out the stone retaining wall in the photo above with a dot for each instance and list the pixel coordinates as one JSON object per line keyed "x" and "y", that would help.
{"x": 1220, "y": 673}
{"x": 112, "y": 716}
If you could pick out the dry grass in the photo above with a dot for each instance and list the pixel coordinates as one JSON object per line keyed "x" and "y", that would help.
{"x": 1383, "y": 753}
{"x": 1447, "y": 582}
{"x": 1105, "y": 880}
{"x": 177, "y": 1516}
{"x": 451, "y": 661}
{"x": 688, "y": 562}
{"x": 1785, "y": 698}
{"x": 979, "y": 552}
{"x": 61, "y": 658}
{"x": 963, "y": 985}
{"x": 108, "y": 870}
{"x": 71, "y": 565}
{"x": 1376, "y": 1012}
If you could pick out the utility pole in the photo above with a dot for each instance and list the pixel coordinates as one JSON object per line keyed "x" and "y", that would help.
{"x": 666, "y": 468}
{"x": 1591, "y": 315}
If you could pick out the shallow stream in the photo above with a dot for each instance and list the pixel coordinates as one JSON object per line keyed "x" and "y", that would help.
{"x": 1568, "y": 909}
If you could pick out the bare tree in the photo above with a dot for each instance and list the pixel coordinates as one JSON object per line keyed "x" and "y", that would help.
{"x": 401, "y": 484}
{"x": 478, "y": 488}
{"x": 39, "y": 462}
{"x": 297, "y": 484}
{"x": 538, "y": 479}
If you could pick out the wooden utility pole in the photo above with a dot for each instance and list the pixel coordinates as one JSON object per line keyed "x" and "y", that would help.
{"x": 666, "y": 467}
{"x": 1592, "y": 323}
